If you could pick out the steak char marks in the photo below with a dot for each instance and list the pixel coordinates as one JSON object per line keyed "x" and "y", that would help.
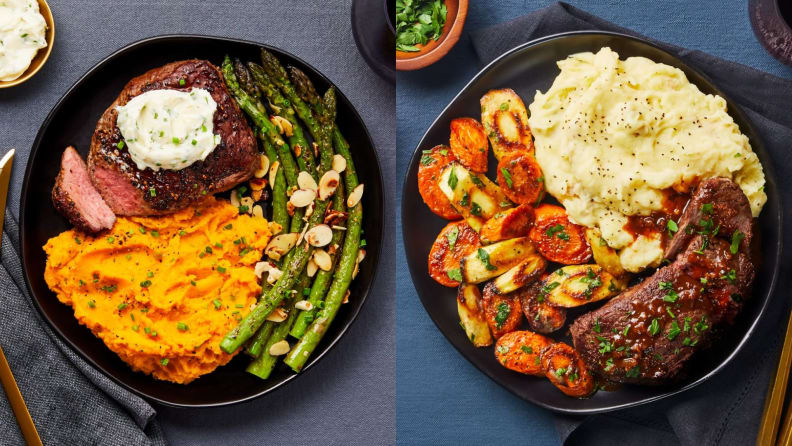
{"x": 131, "y": 191}
{"x": 648, "y": 333}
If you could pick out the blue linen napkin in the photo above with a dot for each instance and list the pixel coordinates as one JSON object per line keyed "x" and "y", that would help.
{"x": 727, "y": 409}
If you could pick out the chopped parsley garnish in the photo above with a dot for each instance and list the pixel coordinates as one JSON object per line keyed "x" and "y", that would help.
{"x": 545, "y": 290}
{"x": 216, "y": 303}
{"x": 671, "y": 296}
{"x": 593, "y": 280}
{"x": 452, "y": 179}
{"x": 507, "y": 176}
{"x": 654, "y": 328}
{"x": 502, "y": 314}
{"x": 221, "y": 269}
{"x": 165, "y": 361}
{"x": 526, "y": 349}
{"x": 731, "y": 276}
{"x": 634, "y": 372}
{"x": 737, "y": 237}
{"x": 597, "y": 328}
{"x": 484, "y": 257}
{"x": 672, "y": 226}
{"x": 560, "y": 372}
{"x": 452, "y": 236}
{"x": 120, "y": 144}
{"x": 92, "y": 303}
{"x": 455, "y": 274}
{"x": 504, "y": 106}
{"x": 605, "y": 346}
{"x": 674, "y": 331}
{"x": 182, "y": 326}
{"x": 418, "y": 22}
{"x": 706, "y": 208}
{"x": 476, "y": 180}
{"x": 465, "y": 200}
{"x": 475, "y": 209}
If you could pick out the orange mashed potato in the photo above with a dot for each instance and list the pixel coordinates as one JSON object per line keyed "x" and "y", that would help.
{"x": 162, "y": 292}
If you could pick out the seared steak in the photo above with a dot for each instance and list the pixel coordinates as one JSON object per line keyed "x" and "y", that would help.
{"x": 648, "y": 333}
{"x": 76, "y": 198}
{"x": 131, "y": 191}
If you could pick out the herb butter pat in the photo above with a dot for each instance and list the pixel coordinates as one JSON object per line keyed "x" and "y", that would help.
{"x": 168, "y": 129}
{"x": 22, "y": 34}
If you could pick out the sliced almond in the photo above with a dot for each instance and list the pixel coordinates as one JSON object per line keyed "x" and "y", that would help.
{"x": 346, "y": 297}
{"x": 257, "y": 183}
{"x": 328, "y": 184}
{"x": 304, "y": 305}
{"x": 339, "y": 163}
{"x": 279, "y": 348}
{"x": 316, "y": 149}
{"x": 273, "y": 172}
{"x": 278, "y": 315}
{"x": 311, "y": 268}
{"x": 322, "y": 259}
{"x": 360, "y": 256}
{"x": 261, "y": 268}
{"x": 258, "y": 211}
{"x": 234, "y": 198}
{"x": 275, "y": 228}
{"x": 333, "y": 217}
{"x": 248, "y": 202}
{"x": 302, "y": 198}
{"x": 319, "y": 235}
{"x": 290, "y": 208}
{"x": 297, "y": 150}
{"x": 306, "y": 181}
{"x": 263, "y": 166}
{"x": 280, "y": 245}
{"x": 273, "y": 275}
{"x": 256, "y": 194}
{"x": 284, "y": 126}
{"x": 355, "y": 196}
{"x": 309, "y": 210}
{"x": 290, "y": 190}
{"x": 302, "y": 234}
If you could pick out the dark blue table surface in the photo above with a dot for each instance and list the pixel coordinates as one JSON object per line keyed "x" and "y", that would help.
{"x": 442, "y": 398}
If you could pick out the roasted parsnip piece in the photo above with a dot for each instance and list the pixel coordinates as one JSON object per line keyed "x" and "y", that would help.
{"x": 471, "y": 315}
{"x": 576, "y": 285}
{"x": 505, "y": 120}
{"x": 493, "y": 260}
{"x": 604, "y": 255}
{"x": 527, "y": 271}
{"x": 468, "y": 193}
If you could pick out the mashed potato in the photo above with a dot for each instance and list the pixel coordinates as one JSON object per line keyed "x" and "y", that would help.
{"x": 614, "y": 137}
{"x": 162, "y": 292}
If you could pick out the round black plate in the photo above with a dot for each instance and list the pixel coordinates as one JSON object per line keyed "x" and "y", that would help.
{"x": 72, "y": 122}
{"x": 375, "y": 37}
{"x": 526, "y": 69}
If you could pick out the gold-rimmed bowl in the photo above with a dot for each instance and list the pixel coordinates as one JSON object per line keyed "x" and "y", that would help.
{"x": 43, "y": 54}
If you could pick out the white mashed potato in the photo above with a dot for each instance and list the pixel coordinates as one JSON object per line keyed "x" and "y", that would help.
{"x": 613, "y": 136}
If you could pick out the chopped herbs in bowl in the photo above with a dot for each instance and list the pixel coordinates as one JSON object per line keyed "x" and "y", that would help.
{"x": 418, "y": 21}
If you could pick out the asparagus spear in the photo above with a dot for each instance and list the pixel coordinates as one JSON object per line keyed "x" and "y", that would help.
{"x": 322, "y": 281}
{"x": 279, "y": 213}
{"x": 282, "y": 107}
{"x": 256, "y": 344}
{"x": 300, "y": 353}
{"x": 293, "y": 266}
{"x": 264, "y": 363}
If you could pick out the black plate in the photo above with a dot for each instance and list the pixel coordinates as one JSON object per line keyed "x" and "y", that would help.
{"x": 526, "y": 69}
{"x": 72, "y": 122}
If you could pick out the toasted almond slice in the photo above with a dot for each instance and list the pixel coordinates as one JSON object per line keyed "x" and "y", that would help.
{"x": 361, "y": 255}
{"x": 257, "y": 183}
{"x": 339, "y": 163}
{"x": 311, "y": 268}
{"x": 280, "y": 245}
{"x": 256, "y": 194}
{"x": 333, "y": 217}
{"x": 304, "y": 305}
{"x": 340, "y": 228}
{"x": 278, "y": 315}
{"x": 248, "y": 202}
{"x": 319, "y": 235}
{"x": 302, "y": 234}
{"x": 302, "y": 198}
{"x": 275, "y": 228}
{"x": 273, "y": 172}
{"x": 290, "y": 208}
{"x": 346, "y": 297}
{"x": 315, "y": 149}
{"x": 328, "y": 184}
{"x": 306, "y": 181}
{"x": 274, "y": 275}
{"x": 309, "y": 210}
{"x": 283, "y": 125}
{"x": 297, "y": 150}
{"x": 322, "y": 259}
{"x": 355, "y": 196}
{"x": 261, "y": 268}
{"x": 234, "y": 198}
{"x": 279, "y": 348}
{"x": 258, "y": 211}
{"x": 263, "y": 167}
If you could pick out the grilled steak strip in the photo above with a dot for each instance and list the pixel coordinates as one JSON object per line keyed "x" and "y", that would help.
{"x": 76, "y": 198}
{"x": 648, "y": 333}
{"x": 131, "y": 191}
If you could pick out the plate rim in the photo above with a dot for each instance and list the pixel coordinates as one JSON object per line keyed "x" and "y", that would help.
{"x": 37, "y": 143}
{"x": 747, "y": 336}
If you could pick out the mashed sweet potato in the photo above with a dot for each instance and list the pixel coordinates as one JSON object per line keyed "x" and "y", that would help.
{"x": 162, "y": 292}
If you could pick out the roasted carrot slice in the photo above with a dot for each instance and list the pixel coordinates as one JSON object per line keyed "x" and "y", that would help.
{"x": 511, "y": 223}
{"x": 564, "y": 368}
{"x": 453, "y": 243}
{"x": 521, "y": 351}
{"x": 558, "y": 239}
{"x": 469, "y": 143}
{"x": 542, "y": 316}
{"x": 520, "y": 177}
{"x": 502, "y": 311}
{"x": 431, "y": 165}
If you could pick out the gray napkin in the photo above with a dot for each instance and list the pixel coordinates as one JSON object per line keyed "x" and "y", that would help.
{"x": 70, "y": 402}
{"x": 727, "y": 409}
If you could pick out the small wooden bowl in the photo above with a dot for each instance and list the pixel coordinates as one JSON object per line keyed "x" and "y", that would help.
{"x": 436, "y": 50}
{"x": 43, "y": 54}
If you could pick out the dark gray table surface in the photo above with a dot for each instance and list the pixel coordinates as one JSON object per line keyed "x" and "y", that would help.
{"x": 349, "y": 397}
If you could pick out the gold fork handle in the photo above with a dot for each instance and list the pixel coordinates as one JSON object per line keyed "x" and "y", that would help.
{"x": 17, "y": 403}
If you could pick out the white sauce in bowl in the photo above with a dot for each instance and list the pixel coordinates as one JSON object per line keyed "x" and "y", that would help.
{"x": 22, "y": 34}
{"x": 168, "y": 129}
